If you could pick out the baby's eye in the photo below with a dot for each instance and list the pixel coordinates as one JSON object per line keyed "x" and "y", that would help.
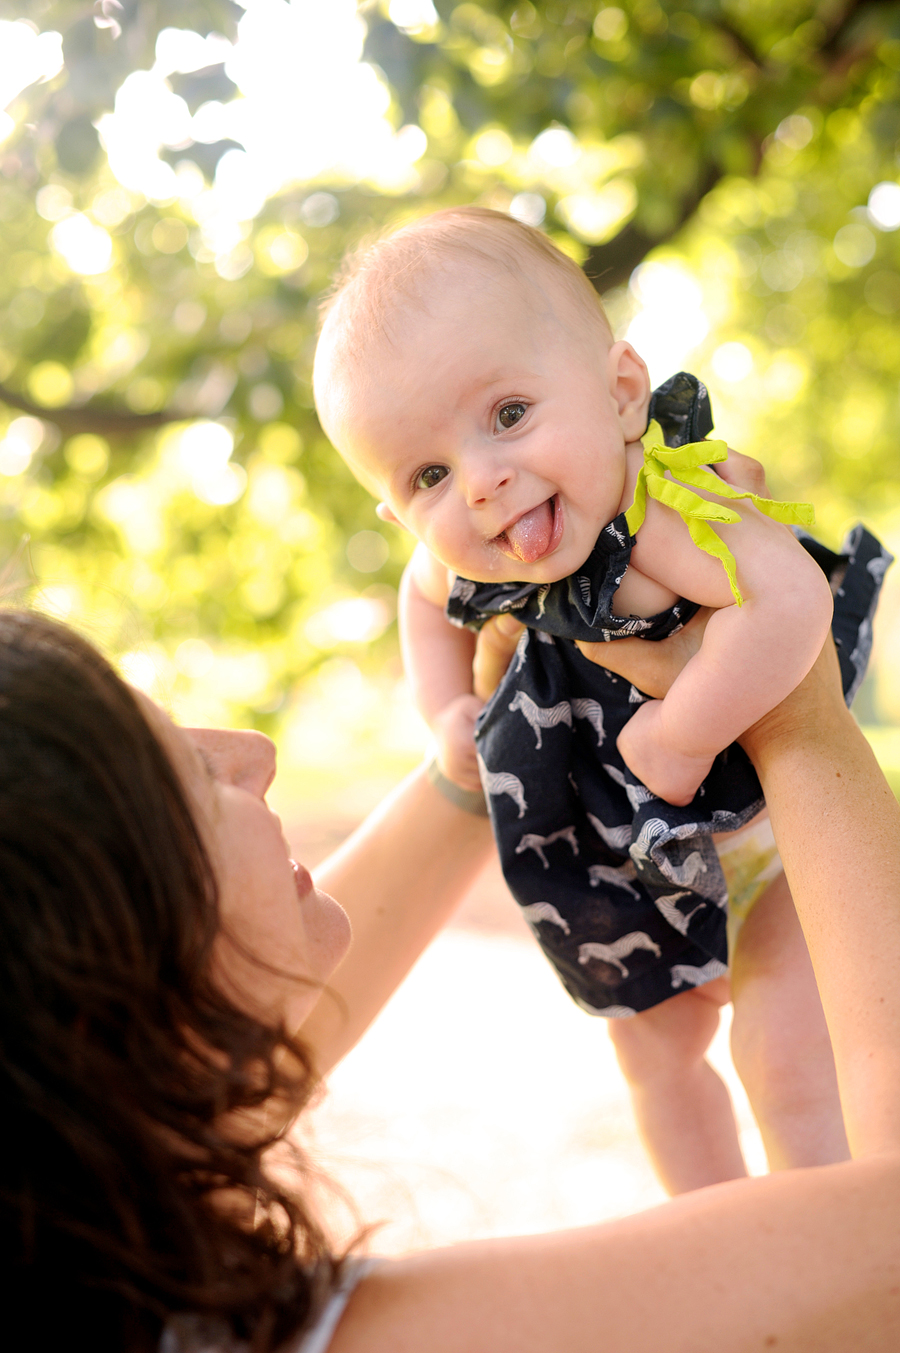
{"x": 511, "y": 414}
{"x": 431, "y": 475}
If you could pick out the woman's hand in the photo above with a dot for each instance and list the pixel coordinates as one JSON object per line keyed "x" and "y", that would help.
{"x": 652, "y": 667}
{"x": 496, "y": 644}
{"x": 743, "y": 472}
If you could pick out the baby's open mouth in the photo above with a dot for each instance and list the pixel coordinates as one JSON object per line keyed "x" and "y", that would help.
{"x": 534, "y": 534}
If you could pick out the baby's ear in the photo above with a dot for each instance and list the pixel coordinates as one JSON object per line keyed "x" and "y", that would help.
{"x": 629, "y": 384}
{"x": 384, "y": 513}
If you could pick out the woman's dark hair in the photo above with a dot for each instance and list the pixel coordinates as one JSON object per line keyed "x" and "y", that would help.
{"x": 123, "y": 1200}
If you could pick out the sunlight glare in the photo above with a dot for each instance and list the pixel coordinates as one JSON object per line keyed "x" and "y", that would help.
{"x": 182, "y": 50}
{"x": 211, "y": 122}
{"x": 529, "y": 208}
{"x": 147, "y": 115}
{"x": 139, "y": 670}
{"x": 597, "y": 216}
{"x": 86, "y": 248}
{"x": 412, "y": 16}
{"x": 204, "y": 451}
{"x": 132, "y": 506}
{"x": 53, "y": 202}
{"x": 884, "y": 206}
{"x": 22, "y": 439}
{"x": 494, "y": 147}
{"x": 354, "y": 620}
{"x": 57, "y": 600}
{"x": 26, "y": 57}
{"x": 732, "y": 362}
{"x": 194, "y": 658}
{"x": 670, "y": 322}
{"x": 555, "y": 148}
{"x": 308, "y": 107}
{"x": 204, "y": 447}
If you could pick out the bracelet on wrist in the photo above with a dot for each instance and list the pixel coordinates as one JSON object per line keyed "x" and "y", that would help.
{"x": 470, "y": 800}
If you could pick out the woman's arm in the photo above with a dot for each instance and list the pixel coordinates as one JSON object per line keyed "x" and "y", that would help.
{"x": 824, "y": 791}
{"x": 799, "y": 1262}
{"x": 837, "y": 825}
{"x": 807, "y": 1261}
{"x": 399, "y": 877}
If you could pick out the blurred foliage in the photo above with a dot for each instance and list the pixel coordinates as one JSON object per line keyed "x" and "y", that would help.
{"x": 162, "y": 452}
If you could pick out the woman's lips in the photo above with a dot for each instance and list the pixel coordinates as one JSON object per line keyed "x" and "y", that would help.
{"x": 535, "y": 534}
{"x": 302, "y": 879}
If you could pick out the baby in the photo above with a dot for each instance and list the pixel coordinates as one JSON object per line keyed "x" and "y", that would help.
{"x": 467, "y": 373}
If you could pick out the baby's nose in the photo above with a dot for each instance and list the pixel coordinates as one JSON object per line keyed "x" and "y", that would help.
{"x": 484, "y": 480}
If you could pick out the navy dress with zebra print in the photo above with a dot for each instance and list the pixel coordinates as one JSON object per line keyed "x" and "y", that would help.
{"x": 624, "y": 891}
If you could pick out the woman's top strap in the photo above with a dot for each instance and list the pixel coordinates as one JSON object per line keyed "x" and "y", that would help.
{"x": 318, "y": 1338}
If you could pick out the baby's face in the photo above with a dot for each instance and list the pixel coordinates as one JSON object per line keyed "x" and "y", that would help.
{"x": 493, "y": 426}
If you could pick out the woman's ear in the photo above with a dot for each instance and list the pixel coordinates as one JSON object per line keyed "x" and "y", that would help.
{"x": 384, "y": 513}
{"x": 629, "y": 385}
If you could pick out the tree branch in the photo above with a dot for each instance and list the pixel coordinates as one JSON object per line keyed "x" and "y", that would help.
{"x": 840, "y": 26}
{"x": 610, "y": 265}
{"x": 108, "y": 421}
{"x": 740, "y": 42}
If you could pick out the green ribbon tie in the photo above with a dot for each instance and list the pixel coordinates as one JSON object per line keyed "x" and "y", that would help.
{"x": 685, "y": 463}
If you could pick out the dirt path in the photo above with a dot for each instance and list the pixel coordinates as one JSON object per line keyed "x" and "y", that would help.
{"x": 482, "y": 1101}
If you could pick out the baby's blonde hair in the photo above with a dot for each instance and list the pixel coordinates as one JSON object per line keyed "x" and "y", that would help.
{"x": 381, "y": 276}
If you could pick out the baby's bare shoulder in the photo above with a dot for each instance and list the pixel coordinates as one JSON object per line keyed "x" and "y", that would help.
{"x": 768, "y": 557}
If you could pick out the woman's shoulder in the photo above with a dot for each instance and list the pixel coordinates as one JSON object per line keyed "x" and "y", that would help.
{"x": 192, "y": 1332}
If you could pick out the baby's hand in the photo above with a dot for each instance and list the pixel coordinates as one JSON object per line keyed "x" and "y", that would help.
{"x": 454, "y": 733}
{"x": 668, "y": 773}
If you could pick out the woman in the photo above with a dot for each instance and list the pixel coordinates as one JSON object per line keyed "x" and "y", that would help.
{"x": 150, "y": 948}
{"x": 151, "y": 952}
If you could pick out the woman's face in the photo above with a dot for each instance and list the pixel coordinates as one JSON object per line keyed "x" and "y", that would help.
{"x": 277, "y": 927}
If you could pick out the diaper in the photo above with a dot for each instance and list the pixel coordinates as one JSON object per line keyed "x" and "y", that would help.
{"x": 750, "y": 861}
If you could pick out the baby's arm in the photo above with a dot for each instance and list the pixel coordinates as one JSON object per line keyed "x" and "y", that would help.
{"x": 751, "y": 656}
{"x": 438, "y": 661}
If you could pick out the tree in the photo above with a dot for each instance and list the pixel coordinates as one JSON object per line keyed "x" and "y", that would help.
{"x": 744, "y": 139}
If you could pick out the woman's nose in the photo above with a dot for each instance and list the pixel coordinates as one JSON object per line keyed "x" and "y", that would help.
{"x": 239, "y": 757}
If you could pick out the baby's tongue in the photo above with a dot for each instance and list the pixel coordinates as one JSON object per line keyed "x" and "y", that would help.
{"x": 529, "y": 537}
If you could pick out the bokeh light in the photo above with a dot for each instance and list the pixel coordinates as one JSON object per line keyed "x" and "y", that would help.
{"x": 670, "y": 321}
{"x": 354, "y": 620}
{"x": 732, "y": 362}
{"x": 26, "y": 57}
{"x": 367, "y": 551}
{"x": 884, "y": 206}
{"x": 86, "y": 248}
{"x": 19, "y": 443}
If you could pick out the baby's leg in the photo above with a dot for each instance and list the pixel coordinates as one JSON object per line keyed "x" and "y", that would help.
{"x": 779, "y": 1039}
{"x": 682, "y": 1107}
